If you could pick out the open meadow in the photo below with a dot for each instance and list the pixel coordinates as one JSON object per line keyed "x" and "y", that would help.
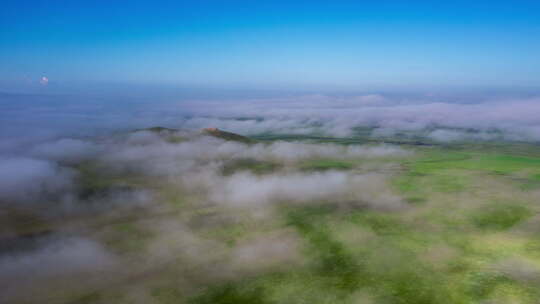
{"x": 166, "y": 216}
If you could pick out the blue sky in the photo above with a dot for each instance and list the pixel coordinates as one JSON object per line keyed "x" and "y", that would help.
{"x": 270, "y": 44}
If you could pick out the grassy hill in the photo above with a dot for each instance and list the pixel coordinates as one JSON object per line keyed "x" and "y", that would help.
{"x": 214, "y": 132}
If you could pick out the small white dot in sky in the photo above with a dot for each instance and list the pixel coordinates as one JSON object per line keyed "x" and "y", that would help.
{"x": 44, "y": 80}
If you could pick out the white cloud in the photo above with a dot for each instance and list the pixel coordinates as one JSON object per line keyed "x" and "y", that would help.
{"x": 32, "y": 180}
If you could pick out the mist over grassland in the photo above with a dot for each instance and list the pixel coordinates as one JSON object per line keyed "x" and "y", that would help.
{"x": 363, "y": 199}
{"x": 440, "y": 118}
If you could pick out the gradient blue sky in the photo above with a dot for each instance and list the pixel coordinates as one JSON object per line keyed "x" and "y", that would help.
{"x": 316, "y": 44}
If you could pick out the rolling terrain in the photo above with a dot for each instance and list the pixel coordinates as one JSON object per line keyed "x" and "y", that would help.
{"x": 168, "y": 216}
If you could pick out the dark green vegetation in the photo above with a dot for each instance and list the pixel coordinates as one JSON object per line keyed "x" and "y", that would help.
{"x": 171, "y": 135}
{"x": 498, "y": 216}
{"x": 326, "y": 164}
{"x": 157, "y": 130}
{"x": 249, "y": 164}
{"x": 227, "y": 135}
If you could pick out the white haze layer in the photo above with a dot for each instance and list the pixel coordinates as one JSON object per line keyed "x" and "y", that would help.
{"x": 516, "y": 119}
{"x": 45, "y": 179}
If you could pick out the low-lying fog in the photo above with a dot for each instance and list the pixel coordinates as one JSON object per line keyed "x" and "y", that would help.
{"x": 66, "y": 187}
{"x": 52, "y": 185}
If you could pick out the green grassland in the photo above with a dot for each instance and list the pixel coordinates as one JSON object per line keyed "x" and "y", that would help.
{"x": 469, "y": 234}
{"x": 470, "y": 214}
